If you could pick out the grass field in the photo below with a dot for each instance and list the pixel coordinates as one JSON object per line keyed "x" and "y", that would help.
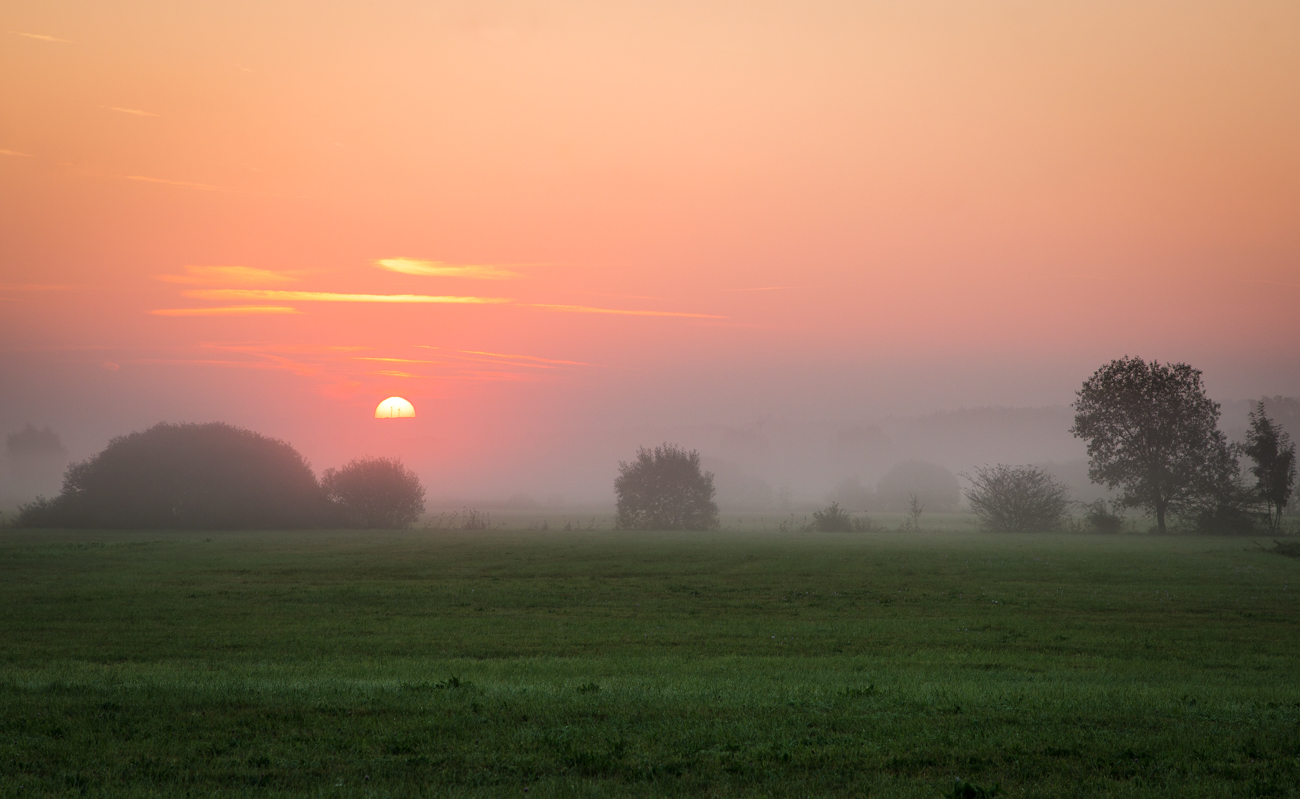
{"x": 601, "y": 664}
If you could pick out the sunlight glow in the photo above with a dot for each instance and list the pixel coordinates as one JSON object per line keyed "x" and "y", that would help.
{"x": 395, "y": 408}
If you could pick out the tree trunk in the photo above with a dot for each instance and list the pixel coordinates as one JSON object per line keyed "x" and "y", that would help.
{"x": 1160, "y": 515}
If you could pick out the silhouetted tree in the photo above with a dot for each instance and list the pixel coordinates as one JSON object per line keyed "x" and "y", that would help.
{"x": 204, "y": 476}
{"x": 1153, "y": 432}
{"x": 374, "y": 493}
{"x": 1273, "y": 452}
{"x": 665, "y": 489}
{"x": 1017, "y": 499}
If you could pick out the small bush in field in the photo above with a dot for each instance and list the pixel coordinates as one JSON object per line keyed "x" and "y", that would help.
{"x": 833, "y": 519}
{"x": 1017, "y": 499}
{"x": 1099, "y": 518}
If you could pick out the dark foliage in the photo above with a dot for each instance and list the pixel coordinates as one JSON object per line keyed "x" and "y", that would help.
{"x": 186, "y": 476}
{"x": 1017, "y": 499}
{"x": 833, "y": 519}
{"x": 1274, "y": 454}
{"x": 1099, "y": 518}
{"x": 665, "y": 489}
{"x": 1222, "y": 503}
{"x": 1153, "y": 432}
{"x": 374, "y": 493}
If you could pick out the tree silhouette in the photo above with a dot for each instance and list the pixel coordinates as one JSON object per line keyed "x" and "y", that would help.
{"x": 186, "y": 476}
{"x": 665, "y": 489}
{"x": 1273, "y": 452}
{"x": 374, "y": 493}
{"x": 1153, "y": 432}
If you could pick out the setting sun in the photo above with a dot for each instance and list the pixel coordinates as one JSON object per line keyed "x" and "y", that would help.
{"x": 395, "y": 408}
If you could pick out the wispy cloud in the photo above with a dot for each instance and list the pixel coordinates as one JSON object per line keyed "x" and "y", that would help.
{"x": 621, "y": 312}
{"x": 199, "y": 186}
{"x": 42, "y": 37}
{"x": 230, "y": 310}
{"x": 329, "y": 296}
{"x": 228, "y": 274}
{"x": 135, "y": 112}
{"x": 15, "y": 153}
{"x": 782, "y": 288}
{"x": 414, "y": 266}
{"x": 535, "y": 361}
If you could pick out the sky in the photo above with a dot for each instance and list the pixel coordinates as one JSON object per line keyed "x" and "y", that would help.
{"x": 548, "y": 224}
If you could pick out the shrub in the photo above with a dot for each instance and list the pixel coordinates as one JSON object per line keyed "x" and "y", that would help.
{"x": 832, "y": 519}
{"x": 374, "y": 493}
{"x": 1099, "y": 518}
{"x": 665, "y": 489}
{"x": 1017, "y": 499}
{"x": 186, "y": 476}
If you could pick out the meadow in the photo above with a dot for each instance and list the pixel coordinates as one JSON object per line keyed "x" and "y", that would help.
{"x": 599, "y": 663}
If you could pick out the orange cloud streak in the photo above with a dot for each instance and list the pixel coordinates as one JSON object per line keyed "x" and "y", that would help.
{"x": 329, "y": 296}
{"x": 230, "y": 310}
{"x": 621, "y": 312}
{"x": 412, "y": 266}
{"x": 228, "y": 274}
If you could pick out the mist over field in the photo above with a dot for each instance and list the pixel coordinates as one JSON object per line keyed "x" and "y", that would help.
{"x": 769, "y": 465}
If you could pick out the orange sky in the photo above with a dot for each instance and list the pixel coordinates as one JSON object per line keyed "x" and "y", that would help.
{"x": 540, "y": 216}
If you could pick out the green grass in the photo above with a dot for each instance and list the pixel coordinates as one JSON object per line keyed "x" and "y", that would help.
{"x": 601, "y": 663}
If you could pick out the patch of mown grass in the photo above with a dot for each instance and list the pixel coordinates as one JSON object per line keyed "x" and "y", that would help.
{"x": 645, "y": 664}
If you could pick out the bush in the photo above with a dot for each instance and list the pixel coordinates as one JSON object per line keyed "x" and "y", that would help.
{"x": 665, "y": 489}
{"x": 833, "y": 519}
{"x": 1017, "y": 499}
{"x": 374, "y": 493}
{"x": 1099, "y": 518}
{"x": 186, "y": 476}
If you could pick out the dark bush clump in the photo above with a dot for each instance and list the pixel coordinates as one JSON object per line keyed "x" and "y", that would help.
{"x": 833, "y": 519}
{"x": 665, "y": 489}
{"x": 374, "y": 493}
{"x": 1099, "y": 518}
{"x": 186, "y": 476}
{"x": 1017, "y": 499}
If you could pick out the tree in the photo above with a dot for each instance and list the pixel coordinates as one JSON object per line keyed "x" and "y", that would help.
{"x": 1153, "y": 432}
{"x": 186, "y": 476}
{"x": 665, "y": 489}
{"x": 1273, "y": 452}
{"x": 1017, "y": 499}
{"x": 374, "y": 493}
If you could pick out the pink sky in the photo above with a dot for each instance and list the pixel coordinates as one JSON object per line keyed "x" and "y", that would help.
{"x": 681, "y": 213}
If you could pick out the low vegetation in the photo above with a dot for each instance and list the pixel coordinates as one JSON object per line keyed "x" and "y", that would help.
{"x": 220, "y": 477}
{"x": 486, "y": 663}
{"x": 1017, "y": 499}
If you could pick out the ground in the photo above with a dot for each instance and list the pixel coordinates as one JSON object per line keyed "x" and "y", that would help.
{"x": 600, "y": 663}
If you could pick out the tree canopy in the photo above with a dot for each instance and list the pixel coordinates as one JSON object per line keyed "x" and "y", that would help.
{"x": 374, "y": 493}
{"x": 186, "y": 476}
{"x": 665, "y": 489}
{"x": 1152, "y": 432}
{"x": 1273, "y": 452}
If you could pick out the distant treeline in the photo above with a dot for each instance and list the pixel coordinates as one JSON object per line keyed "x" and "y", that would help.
{"x": 217, "y": 476}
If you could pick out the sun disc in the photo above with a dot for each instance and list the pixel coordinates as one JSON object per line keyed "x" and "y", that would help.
{"x": 395, "y": 408}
